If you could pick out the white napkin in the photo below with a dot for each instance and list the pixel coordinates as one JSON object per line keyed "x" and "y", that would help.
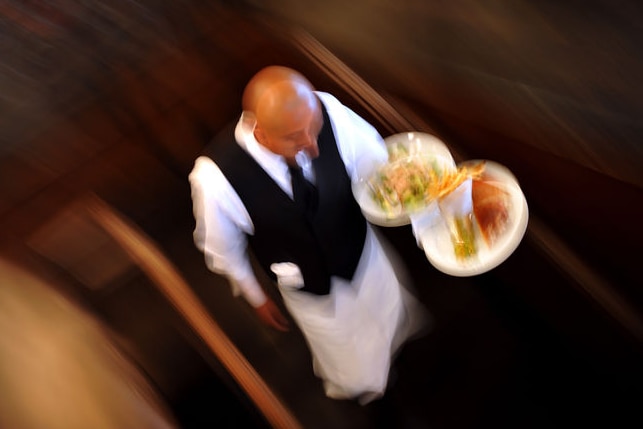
{"x": 455, "y": 204}
{"x": 288, "y": 275}
{"x": 425, "y": 220}
{"x": 458, "y": 202}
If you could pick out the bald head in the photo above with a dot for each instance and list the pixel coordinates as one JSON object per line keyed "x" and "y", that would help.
{"x": 286, "y": 111}
{"x": 265, "y": 79}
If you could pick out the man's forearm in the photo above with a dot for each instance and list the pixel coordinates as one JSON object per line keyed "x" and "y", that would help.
{"x": 251, "y": 290}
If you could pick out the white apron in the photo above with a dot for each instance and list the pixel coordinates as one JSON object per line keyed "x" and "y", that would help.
{"x": 351, "y": 331}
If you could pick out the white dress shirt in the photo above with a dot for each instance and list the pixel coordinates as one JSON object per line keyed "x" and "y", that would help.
{"x": 221, "y": 218}
{"x": 353, "y": 331}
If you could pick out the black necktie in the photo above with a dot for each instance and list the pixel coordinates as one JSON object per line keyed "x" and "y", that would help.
{"x": 304, "y": 192}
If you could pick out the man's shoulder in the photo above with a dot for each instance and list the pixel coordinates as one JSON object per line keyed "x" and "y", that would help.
{"x": 205, "y": 165}
{"x": 336, "y": 110}
{"x": 328, "y": 99}
{"x": 224, "y": 137}
{"x": 203, "y": 168}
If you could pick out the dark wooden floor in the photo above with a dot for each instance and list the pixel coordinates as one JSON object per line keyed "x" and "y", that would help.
{"x": 491, "y": 358}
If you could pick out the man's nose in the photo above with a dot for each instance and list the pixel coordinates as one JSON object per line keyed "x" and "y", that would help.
{"x": 309, "y": 142}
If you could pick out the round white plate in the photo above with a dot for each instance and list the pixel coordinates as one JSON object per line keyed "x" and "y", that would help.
{"x": 417, "y": 145}
{"x": 436, "y": 240}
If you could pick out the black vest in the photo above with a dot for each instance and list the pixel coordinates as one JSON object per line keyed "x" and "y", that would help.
{"x": 328, "y": 245}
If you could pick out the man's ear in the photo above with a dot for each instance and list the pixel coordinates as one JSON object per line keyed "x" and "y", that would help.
{"x": 249, "y": 118}
{"x": 260, "y": 136}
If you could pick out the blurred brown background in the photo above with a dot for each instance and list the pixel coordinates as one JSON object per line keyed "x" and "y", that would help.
{"x": 118, "y": 98}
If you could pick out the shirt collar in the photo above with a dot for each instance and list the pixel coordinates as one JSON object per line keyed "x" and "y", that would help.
{"x": 244, "y": 134}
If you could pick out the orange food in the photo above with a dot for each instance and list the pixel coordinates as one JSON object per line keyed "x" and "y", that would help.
{"x": 490, "y": 207}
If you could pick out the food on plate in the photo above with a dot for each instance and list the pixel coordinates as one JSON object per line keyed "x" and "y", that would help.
{"x": 491, "y": 208}
{"x": 490, "y": 203}
{"x": 410, "y": 182}
{"x": 463, "y": 237}
{"x": 397, "y": 152}
{"x": 405, "y": 183}
{"x": 452, "y": 179}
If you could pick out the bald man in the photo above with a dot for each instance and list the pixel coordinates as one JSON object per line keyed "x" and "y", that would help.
{"x": 328, "y": 265}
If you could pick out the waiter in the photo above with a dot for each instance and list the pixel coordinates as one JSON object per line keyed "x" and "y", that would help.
{"x": 279, "y": 182}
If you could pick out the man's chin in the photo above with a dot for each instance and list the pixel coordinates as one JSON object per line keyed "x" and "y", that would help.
{"x": 312, "y": 155}
{"x": 304, "y": 157}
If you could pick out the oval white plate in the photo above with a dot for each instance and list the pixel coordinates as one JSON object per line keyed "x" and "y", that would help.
{"x": 438, "y": 248}
{"x": 417, "y": 144}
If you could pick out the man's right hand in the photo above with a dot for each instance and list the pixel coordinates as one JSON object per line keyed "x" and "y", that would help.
{"x": 270, "y": 314}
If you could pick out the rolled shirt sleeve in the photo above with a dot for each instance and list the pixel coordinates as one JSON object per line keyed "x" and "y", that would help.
{"x": 222, "y": 223}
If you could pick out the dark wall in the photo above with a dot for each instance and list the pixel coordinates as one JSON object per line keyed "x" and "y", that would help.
{"x": 560, "y": 77}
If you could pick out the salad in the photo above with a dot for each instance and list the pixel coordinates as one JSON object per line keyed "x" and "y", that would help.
{"x": 409, "y": 182}
{"x": 405, "y": 184}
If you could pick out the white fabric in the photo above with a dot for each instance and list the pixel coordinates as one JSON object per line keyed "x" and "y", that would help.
{"x": 350, "y": 331}
{"x": 425, "y": 220}
{"x": 458, "y": 202}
